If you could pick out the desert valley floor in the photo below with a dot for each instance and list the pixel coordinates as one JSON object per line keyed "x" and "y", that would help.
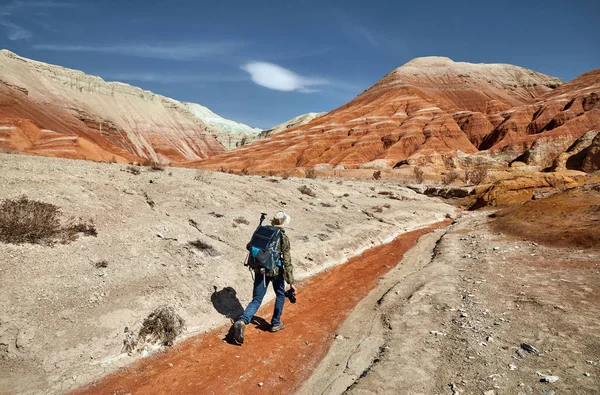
{"x": 446, "y": 310}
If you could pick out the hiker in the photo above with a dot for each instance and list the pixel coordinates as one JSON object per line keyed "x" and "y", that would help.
{"x": 281, "y": 274}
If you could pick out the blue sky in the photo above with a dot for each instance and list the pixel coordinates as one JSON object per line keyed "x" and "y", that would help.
{"x": 264, "y": 62}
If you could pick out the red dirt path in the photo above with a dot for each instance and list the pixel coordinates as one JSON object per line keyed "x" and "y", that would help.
{"x": 281, "y": 361}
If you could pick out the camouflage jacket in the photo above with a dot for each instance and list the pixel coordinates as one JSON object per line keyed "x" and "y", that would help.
{"x": 286, "y": 260}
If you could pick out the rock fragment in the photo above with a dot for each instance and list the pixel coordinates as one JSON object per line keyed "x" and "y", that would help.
{"x": 529, "y": 348}
{"x": 549, "y": 379}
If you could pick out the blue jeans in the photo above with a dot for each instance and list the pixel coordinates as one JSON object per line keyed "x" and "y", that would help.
{"x": 260, "y": 289}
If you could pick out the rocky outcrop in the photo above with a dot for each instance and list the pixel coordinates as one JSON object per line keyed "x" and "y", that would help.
{"x": 591, "y": 160}
{"x": 296, "y": 121}
{"x": 573, "y": 158}
{"x": 142, "y": 124}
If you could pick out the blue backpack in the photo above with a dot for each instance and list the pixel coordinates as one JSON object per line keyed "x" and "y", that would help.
{"x": 264, "y": 248}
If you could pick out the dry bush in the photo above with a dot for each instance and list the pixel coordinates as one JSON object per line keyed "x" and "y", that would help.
{"x": 162, "y": 326}
{"x": 325, "y": 204}
{"x": 310, "y": 173}
{"x": 29, "y": 221}
{"x": 476, "y": 173}
{"x": 87, "y": 228}
{"x": 216, "y": 215}
{"x": 153, "y": 165}
{"x": 102, "y": 264}
{"x": 202, "y": 246}
{"x": 243, "y": 172}
{"x": 241, "y": 220}
{"x": 450, "y": 177}
{"x": 133, "y": 170}
{"x": 112, "y": 160}
{"x": 377, "y": 174}
{"x": 305, "y": 190}
{"x": 377, "y": 209}
{"x": 285, "y": 175}
{"x": 419, "y": 174}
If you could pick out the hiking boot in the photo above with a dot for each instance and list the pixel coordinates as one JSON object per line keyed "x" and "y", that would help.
{"x": 277, "y": 328}
{"x": 238, "y": 331}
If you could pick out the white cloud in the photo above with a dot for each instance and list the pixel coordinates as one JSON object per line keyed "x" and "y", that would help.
{"x": 174, "y": 51}
{"x": 15, "y": 32}
{"x": 275, "y": 77}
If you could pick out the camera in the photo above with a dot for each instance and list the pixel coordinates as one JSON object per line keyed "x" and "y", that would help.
{"x": 290, "y": 295}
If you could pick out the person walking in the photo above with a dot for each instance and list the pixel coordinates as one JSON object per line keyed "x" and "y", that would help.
{"x": 281, "y": 274}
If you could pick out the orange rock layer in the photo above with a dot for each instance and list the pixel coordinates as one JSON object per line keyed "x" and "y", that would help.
{"x": 51, "y": 110}
{"x": 431, "y": 108}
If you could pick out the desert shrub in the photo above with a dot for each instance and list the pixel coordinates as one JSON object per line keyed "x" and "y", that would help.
{"x": 202, "y": 246}
{"x": 285, "y": 175}
{"x": 271, "y": 173}
{"x": 325, "y": 204}
{"x": 450, "y": 177}
{"x": 243, "y": 172}
{"x": 216, "y": 215}
{"x": 476, "y": 173}
{"x": 87, "y": 228}
{"x": 241, "y": 220}
{"x": 153, "y": 165}
{"x": 30, "y": 221}
{"x": 419, "y": 174}
{"x": 387, "y": 205}
{"x": 377, "y": 174}
{"x": 377, "y": 209}
{"x": 133, "y": 170}
{"x": 162, "y": 326}
{"x": 305, "y": 190}
{"x": 112, "y": 160}
{"x": 310, "y": 173}
{"x": 101, "y": 264}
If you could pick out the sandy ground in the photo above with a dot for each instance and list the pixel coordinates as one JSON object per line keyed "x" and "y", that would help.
{"x": 267, "y": 363}
{"x": 62, "y": 319}
{"x": 452, "y": 317}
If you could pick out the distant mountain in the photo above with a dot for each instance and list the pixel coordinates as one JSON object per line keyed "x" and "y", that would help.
{"x": 231, "y": 133}
{"x": 434, "y": 107}
{"x": 296, "y": 121}
{"x": 55, "y": 111}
